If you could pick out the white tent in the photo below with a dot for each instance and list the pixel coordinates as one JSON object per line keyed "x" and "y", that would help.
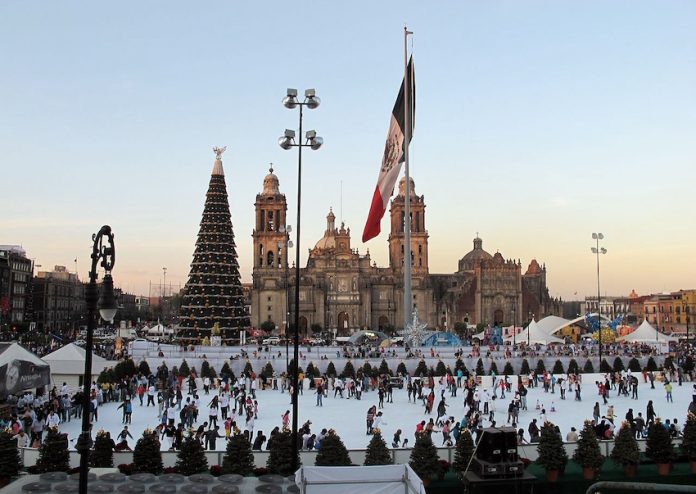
{"x": 384, "y": 479}
{"x": 20, "y": 370}
{"x": 552, "y": 324}
{"x": 534, "y": 334}
{"x": 645, "y": 333}
{"x": 68, "y": 365}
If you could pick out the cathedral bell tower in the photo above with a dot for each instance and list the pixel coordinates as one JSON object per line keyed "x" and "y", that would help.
{"x": 270, "y": 234}
{"x": 419, "y": 235}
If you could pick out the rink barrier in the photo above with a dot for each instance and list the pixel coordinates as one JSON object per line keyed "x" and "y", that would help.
{"x": 400, "y": 456}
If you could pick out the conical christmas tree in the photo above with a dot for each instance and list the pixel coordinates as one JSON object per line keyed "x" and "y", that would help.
{"x": 239, "y": 459}
{"x": 10, "y": 463}
{"x": 213, "y": 302}
{"x": 102, "y": 456}
{"x": 377, "y": 452}
{"x": 191, "y": 459}
{"x": 332, "y": 452}
{"x": 147, "y": 457}
{"x": 280, "y": 457}
{"x": 53, "y": 453}
{"x": 463, "y": 452}
{"x": 424, "y": 459}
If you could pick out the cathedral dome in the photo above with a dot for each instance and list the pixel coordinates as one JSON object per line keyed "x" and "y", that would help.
{"x": 271, "y": 183}
{"x": 474, "y": 257}
{"x": 328, "y": 241}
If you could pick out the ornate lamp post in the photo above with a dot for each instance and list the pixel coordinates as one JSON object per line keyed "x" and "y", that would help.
{"x": 104, "y": 255}
{"x": 597, "y": 250}
{"x": 314, "y": 142}
{"x": 284, "y": 247}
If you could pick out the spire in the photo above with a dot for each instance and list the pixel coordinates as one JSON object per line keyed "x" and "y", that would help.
{"x": 217, "y": 166}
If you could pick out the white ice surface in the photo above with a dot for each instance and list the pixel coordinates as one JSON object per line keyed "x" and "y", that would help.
{"x": 347, "y": 416}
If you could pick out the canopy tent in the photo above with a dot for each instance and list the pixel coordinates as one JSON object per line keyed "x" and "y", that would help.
{"x": 552, "y": 324}
{"x": 383, "y": 479}
{"x": 68, "y": 365}
{"x": 21, "y": 370}
{"x": 442, "y": 338}
{"x": 367, "y": 338}
{"x": 645, "y": 333}
{"x": 534, "y": 334}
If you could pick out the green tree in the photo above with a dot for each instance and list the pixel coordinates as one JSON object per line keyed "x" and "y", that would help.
{"x": 238, "y": 458}
{"x": 625, "y": 450}
{"x": 480, "y": 371}
{"x": 588, "y": 368}
{"x": 348, "y": 370}
{"x": 384, "y": 368}
{"x": 280, "y": 457}
{"x": 524, "y": 369}
{"x": 225, "y": 371}
{"x": 688, "y": 365}
{"x": 493, "y": 371}
{"x": 401, "y": 369}
{"x": 587, "y": 454}
{"x": 604, "y": 366}
{"x": 184, "y": 370}
{"x": 688, "y": 445}
{"x": 573, "y": 367}
{"x": 267, "y": 371}
{"x": 248, "y": 369}
{"x": 206, "y": 370}
{"x": 268, "y": 326}
{"x": 53, "y": 453}
{"x": 540, "y": 367}
{"x": 440, "y": 368}
{"x": 316, "y": 328}
{"x": 102, "y": 456}
{"x": 422, "y": 369}
{"x": 652, "y": 366}
{"x": 332, "y": 452}
{"x": 508, "y": 370}
{"x": 311, "y": 371}
{"x": 331, "y": 370}
{"x": 191, "y": 458}
{"x": 618, "y": 365}
{"x": 659, "y": 445}
{"x": 634, "y": 365}
{"x": 459, "y": 365}
{"x": 367, "y": 369}
{"x": 424, "y": 459}
{"x": 377, "y": 452}
{"x": 463, "y": 452}
{"x": 144, "y": 368}
{"x": 461, "y": 329}
{"x": 10, "y": 462}
{"x": 558, "y": 367}
{"x": 552, "y": 454}
{"x": 147, "y": 457}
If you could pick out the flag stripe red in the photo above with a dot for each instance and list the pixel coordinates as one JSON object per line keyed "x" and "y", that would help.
{"x": 377, "y": 209}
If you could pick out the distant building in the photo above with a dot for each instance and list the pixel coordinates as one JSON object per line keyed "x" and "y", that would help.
{"x": 15, "y": 278}
{"x": 59, "y": 301}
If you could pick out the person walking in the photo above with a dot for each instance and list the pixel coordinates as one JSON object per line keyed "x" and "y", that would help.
{"x": 320, "y": 395}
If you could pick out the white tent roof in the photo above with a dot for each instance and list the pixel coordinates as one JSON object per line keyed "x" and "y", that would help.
{"x": 15, "y": 351}
{"x": 382, "y": 479}
{"x": 551, "y": 324}
{"x": 534, "y": 334}
{"x": 647, "y": 334}
{"x": 70, "y": 359}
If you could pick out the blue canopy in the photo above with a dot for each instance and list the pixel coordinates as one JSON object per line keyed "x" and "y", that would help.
{"x": 442, "y": 338}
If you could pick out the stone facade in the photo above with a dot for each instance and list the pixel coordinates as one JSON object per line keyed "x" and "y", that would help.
{"x": 343, "y": 291}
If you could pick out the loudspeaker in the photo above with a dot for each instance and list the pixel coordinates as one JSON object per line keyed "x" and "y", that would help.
{"x": 497, "y": 445}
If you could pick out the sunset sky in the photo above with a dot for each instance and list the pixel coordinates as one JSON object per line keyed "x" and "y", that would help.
{"x": 537, "y": 123}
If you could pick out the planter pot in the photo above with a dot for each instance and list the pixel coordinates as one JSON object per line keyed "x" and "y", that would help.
{"x": 693, "y": 466}
{"x": 552, "y": 475}
{"x": 663, "y": 468}
{"x": 426, "y": 482}
{"x": 589, "y": 473}
{"x": 630, "y": 471}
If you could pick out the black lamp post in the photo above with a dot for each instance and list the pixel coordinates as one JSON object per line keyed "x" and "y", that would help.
{"x": 597, "y": 250}
{"x": 104, "y": 255}
{"x": 514, "y": 326}
{"x": 286, "y": 142}
{"x": 529, "y": 337}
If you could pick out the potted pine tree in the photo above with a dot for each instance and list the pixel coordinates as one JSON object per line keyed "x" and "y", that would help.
{"x": 281, "y": 452}
{"x": 588, "y": 455}
{"x": 191, "y": 458}
{"x": 147, "y": 457}
{"x": 626, "y": 452}
{"x": 10, "y": 462}
{"x": 659, "y": 448}
{"x": 463, "y": 452}
{"x": 377, "y": 452}
{"x": 424, "y": 460}
{"x": 239, "y": 457}
{"x": 552, "y": 454}
{"x": 332, "y": 451}
{"x": 688, "y": 444}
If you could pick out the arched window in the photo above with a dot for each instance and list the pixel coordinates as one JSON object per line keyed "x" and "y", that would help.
{"x": 270, "y": 258}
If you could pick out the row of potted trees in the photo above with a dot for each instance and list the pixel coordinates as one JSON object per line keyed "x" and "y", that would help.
{"x": 659, "y": 448}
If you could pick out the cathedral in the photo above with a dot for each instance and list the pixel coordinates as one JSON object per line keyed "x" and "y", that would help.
{"x": 343, "y": 291}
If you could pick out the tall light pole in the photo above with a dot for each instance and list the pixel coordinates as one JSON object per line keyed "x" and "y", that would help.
{"x": 104, "y": 255}
{"x": 599, "y": 250}
{"x": 284, "y": 247}
{"x": 514, "y": 325}
{"x": 686, "y": 318}
{"x": 286, "y": 142}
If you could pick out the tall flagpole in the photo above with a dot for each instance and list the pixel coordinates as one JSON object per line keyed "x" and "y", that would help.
{"x": 408, "y": 298}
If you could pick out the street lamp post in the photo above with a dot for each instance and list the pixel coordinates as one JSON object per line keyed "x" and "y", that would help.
{"x": 284, "y": 247}
{"x": 597, "y": 250}
{"x": 514, "y": 327}
{"x": 104, "y": 255}
{"x": 286, "y": 142}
